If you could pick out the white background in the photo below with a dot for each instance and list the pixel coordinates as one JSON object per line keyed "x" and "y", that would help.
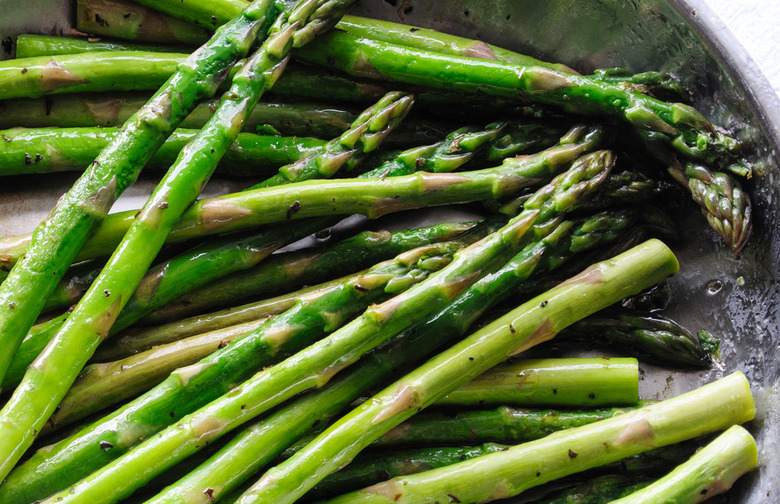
{"x": 756, "y": 24}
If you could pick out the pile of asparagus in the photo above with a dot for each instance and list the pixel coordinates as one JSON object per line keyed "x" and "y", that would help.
{"x": 180, "y": 353}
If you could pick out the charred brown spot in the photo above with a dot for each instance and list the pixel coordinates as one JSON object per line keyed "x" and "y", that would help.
{"x": 360, "y": 288}
{"x": 209, "y": 492}
{"x": 5, "y": 138}
{"x": 172, "y": 414}
{"x": 27, "y": 159}
{"x": 512, "y": 329}
{"x": 54, "y": 76}
{"x": 163, "y": 205}
{"x": 107, "y": 293}
{"x": 38, "y": 158}
{"x": 105, "y": 445}
{"x": 12, "y": 305}
{"x": 542, "y": 304}
{"x": 24, "y": 70}
{"x": 294, "y": 209}
{"x": 453, "y": 499}
{"x": 99, "y": 20}
{"x": 572, "y": 453}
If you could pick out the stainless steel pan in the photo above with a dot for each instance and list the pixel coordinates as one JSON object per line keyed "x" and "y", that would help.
{"x": 736, "y": 300}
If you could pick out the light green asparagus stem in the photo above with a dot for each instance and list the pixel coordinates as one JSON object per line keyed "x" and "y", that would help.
{"x": 135, "y": 22}
{"x": 534, "y": 322}
{"x": 104, "y": 384}
{"x": 51, "y": 374}
{"x": 690, "y": 132}
{"x": 575, "y": 382}
{"x": 314, "y": 366}
{"x": 711, "y": 471}
{"x": 372, "y": 197}
{"x": 505, "y": 474}
{"x": 89, "y": 110}
{"x": 30, "y": 46}
{"x": 187, "y": 389}
{"x": 229, "y": 466}
{"x": 138, "y": 339}
{"x": 46, "y": 150}
{"x": 58, "y": 239}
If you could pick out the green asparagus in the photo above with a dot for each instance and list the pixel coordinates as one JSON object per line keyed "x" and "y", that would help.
{"x": 135, "y": 22}
{"x": 55, "y": 243}
{"x": 46, "y": 380}
{"x": 576, "y": 382}
{"x": 651, "y": 336}
{"x": 314, "y": 366}
{"x": 533, "y": 322}
{"x": 505, "y": 474}
{"x": 709, "y": 472}
{"x": 372, "y": 197}
{"x": 189, "y": 388}
{"x": 45, "y": 150}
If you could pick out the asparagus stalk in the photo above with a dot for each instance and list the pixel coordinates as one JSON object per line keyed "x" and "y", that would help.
{"x": 79, "y": 110}
{"x": 372, "y": 197}
{"x": 458, "y": 148}
{"x": 229, "y": 465}
{"x": 711, "y": 471}
{"x": 46, "y": 380}
{"x": 167, "y": 281}
{"x": 505, "y": 474}
{"x": 651, "y": 336}
{"x": 46, "y": 150}
{"x": 104, "y": 384}
{"x": 314, "y": 366}
{"x": 295, "y": 269}
{"x": 57, "y": 240}
{"x": 33, "y": 45}
{"x": 214, "y": 260}
{"x": 575, "y": 382}
{"x": 371, "y": 468}
{"x": 135, "y": 22}
{"x": 266, "y": 438}
{"x": 725, "y": 205}
{"x": 503, "y": 424}
{"x": 690, "y": 132}
{"x": 138, "y": 339}
{"x": 531, "y": 323}
{"x": 189, "y": 388}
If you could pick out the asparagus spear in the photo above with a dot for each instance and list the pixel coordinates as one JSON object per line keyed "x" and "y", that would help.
{"x": 725, "y": 205}
{"x": 46, "y": 150}
{"x": 138, "y": 339}
{"x": 57, "y": 240}
{"x": 300, "y": 268}
{"x": 104, "y": 384}
{"x": 531, "y": 323}
{"x": 79, "y": 110}
{"x": 575, "y": 382}
{"x": 134, "y": 22}
{"x": 372, "y": 197}
{"x": 53, "y": 468}
{"x": 711, "y": 471}
{"x": 503, "y": 424}
{"x": 599, "y": 490}
{"x": 505, "y": 474}
{"x": 316, "y": 364}
{"x": 54, "y": 370}
{"x": 229, "y": 465}
{"x": 690, "y": 132}
{"x": 652, "y": 336}
{"x": 33, "y": 45}
{"x": 371, "y": 468}
{"x": 214, "y": 260}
